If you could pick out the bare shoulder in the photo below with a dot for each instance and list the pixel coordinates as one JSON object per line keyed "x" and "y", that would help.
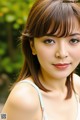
{"x": 23, "y": 102}
{"x": 76, "y": 81}
{"x": 23, "y": 94}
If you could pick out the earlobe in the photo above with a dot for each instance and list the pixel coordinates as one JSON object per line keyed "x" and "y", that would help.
{"x": 32, "y": 47}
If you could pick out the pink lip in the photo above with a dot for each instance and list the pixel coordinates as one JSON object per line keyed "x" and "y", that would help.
{"x": 62, "y": 66}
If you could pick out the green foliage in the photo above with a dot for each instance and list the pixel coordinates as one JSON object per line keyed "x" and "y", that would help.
{"x": 3, "y": 48}
{"x": 15, "y": 11}
{"x": 13, "y": 15}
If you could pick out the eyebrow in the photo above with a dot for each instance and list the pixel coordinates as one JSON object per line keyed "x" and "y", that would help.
{"x": 71, "y": 1}
{"x": 73, "y": 34}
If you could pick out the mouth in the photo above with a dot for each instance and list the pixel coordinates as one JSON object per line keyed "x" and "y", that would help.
{"x": 62, "y": 66}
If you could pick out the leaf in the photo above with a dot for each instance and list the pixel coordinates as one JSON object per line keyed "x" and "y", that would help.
{"x": 16, "y": 26}
{"x": 5, "y": 9}
{"x": 3, "y": 48}
{"x": 2, "y": 52}
{"x": 6, "y": 64}
{"x": 10, "y": 18}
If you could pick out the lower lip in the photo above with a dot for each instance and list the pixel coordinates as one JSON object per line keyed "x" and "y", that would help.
{"x": 62, "y": 67}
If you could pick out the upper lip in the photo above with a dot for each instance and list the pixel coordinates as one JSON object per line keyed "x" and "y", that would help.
{"x": 61, "y": 64}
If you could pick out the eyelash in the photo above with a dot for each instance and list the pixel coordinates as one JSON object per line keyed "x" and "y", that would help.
{"x": 74, "y": 41}
{"x": 49, "y": 41}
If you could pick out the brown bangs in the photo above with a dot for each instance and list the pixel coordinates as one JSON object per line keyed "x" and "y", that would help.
{"x": 57, "y": 19}
{"x": 64, "y": 20}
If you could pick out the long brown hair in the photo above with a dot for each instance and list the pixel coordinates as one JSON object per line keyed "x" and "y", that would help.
{"x": 55, "y": 16}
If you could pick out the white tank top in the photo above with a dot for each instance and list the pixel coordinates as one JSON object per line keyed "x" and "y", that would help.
{"x": 45, "y": 117}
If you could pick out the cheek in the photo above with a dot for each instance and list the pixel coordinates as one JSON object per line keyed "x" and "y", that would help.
{"x": 76, "y": 55}
{"x": 43, "y": 54}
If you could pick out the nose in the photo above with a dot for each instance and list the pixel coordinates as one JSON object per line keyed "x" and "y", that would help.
{"x": 62, "y": 52}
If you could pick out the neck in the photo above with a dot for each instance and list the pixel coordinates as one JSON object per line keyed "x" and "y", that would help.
{"x": 52, "y": 83}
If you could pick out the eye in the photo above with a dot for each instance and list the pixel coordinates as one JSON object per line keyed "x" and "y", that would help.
{"x": 49, "y": 41}
{"x": 74, "y": 41}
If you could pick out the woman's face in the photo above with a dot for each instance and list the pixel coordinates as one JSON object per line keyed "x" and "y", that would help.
{"x": 58, "y": 57}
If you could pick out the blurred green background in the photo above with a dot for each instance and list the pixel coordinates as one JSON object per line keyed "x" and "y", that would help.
{"x": 13, "y": 15}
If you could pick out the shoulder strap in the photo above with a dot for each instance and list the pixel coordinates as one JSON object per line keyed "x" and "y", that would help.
{"x": 78, "y": 106}
{"x": 37, "y": 89}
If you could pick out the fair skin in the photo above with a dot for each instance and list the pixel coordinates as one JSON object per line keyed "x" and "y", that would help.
{"x": 47, "y": 48}
{"x": 50, "y": 50}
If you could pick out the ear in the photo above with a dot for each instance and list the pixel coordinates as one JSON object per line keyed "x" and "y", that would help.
{"x": 32, "y": 47}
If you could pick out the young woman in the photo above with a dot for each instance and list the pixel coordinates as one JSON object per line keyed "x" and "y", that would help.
{"x": 47, "y": 88}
